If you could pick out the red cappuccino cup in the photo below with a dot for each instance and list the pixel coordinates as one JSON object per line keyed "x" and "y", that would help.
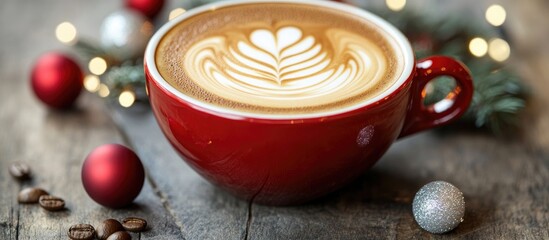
{"x": 281, "y": 102}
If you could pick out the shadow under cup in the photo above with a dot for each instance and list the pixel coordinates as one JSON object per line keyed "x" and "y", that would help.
{"x": 293, "y": 159}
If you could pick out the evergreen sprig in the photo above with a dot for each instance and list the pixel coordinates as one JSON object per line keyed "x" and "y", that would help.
{"x": 87, "y": 50}
{"x": 128, "y": 76}
{"x": 120, "y": 76}
{"x": 499, "y": 95}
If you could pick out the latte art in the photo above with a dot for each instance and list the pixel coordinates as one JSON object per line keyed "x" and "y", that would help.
{"x": 278, "y": 58}
{"x": 276, "y": 67}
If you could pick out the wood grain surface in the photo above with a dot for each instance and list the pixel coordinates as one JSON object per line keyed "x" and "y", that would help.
{"x": 505, "y": 180}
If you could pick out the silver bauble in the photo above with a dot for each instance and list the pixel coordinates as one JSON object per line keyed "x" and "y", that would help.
{"x": 438, "y": 207}
{"x": 125, "y": 33}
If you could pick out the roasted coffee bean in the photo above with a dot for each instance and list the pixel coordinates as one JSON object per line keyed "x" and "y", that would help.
{"x": 30, "y": 195}
{"x": 51, "y": 203}
{"x": 20, "y": 171}
{"x": 120, "y": 235}
{"x": 81, "y": 232}
{"x": 108, "y": 227}
{"x": 134, "y": 224}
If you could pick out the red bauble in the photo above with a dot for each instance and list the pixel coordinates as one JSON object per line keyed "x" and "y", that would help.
{"x": 149, "y": 8}
{"x": 56, "y": 80}
{"x": 113, "y": 175}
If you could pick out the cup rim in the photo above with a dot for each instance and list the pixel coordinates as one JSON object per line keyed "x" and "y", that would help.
{"x": 401, "y": 41}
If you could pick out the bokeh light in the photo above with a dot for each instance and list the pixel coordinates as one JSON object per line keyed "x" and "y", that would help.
{"x": 395, "y": 5}
{"x": 97, "y": 66}
{"x": 499, "y": 49}
{"x": 65, "y": 32}
{"x": 176, "y": 12}
{"x": 478, "y": 47}
{"x": 91, "y": 83}
{"x": 126, "y": 98}
{"x": 103, "y": 90}
{"x": 496, "y": 15}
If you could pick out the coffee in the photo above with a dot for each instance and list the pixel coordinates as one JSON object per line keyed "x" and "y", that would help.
{"x": 81, "y": 232}
{"x": 134, "y": 224}
{"x": 30, "y": 195}
{"x": 278, "y": 58}
{"x": 51, "y": 203}
{"x": 20, "y": 171}
{"x": 120, "y": 235}
{"x": 107, "y": 228}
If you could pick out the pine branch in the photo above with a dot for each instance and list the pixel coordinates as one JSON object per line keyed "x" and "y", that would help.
{"x": 128, "y": 76}
{"x": 88, "y": 50}
{"x": 499, "y": 95}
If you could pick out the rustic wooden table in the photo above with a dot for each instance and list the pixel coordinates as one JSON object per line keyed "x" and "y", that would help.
{"x": 505, "y": 181}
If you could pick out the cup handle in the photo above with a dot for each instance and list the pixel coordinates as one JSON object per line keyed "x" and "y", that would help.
{"x": 420, "y": 117}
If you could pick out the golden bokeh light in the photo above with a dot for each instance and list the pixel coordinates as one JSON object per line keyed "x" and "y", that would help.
{"x": 126, "y": 98}
{"x": 478, "y": 47}
{"x": 496, "y": 15}
{"x": 395, "y": 5}
{"x": 91, "y": 83}
{"x": 176, "y": 12}
{"x": 97, "y": 66}
{"x": 499, "y": 49}
{"x": 65, "y": 32}
{"x": 103, "y": 90}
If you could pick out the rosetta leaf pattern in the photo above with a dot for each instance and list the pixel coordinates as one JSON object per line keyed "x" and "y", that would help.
{"x": 278, "y": 56}
{"x": 285, "y": 64}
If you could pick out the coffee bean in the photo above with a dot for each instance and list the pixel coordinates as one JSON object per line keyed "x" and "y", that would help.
{"x": 51, "y": 203}
{"x": 134, "y": 224}
{"x": 120, "y": 235}
{"x": 108, "y": 227}
{"x": 20, "y": 171}
{"x": 81, "y": 232}
{"x": 30, "y": 195}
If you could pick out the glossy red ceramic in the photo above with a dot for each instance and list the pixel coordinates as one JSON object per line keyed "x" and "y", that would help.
{"x": 295, "y": 160}
{"x": 289, "y": 161}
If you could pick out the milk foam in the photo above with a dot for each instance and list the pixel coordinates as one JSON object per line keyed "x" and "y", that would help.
{"x": 285, "y": 66}
{"x": 278, "y": 59}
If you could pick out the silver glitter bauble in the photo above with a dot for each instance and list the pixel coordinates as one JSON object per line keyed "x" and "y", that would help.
{"x": 125, "y": 33}
{"x": 439, "y": 207}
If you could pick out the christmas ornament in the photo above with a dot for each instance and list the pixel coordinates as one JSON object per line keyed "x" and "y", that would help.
{"x": 149, "y": 8}
{"x": 113, "y": 175}
{"x": 439, "y": 207}
{"x": 125, "y": 33}
{"x": 56, "y": 80}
